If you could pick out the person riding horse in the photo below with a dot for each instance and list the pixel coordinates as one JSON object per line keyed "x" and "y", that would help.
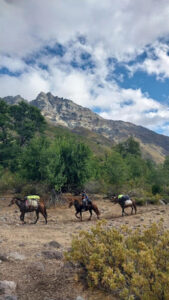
{"x": 85, "y": 200}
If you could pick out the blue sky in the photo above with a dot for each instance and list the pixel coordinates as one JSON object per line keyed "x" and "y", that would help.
{"x": 109, "y": 56}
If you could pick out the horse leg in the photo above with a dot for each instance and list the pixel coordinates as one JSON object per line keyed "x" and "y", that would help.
{"x": 135, "y": 208}
{"x": 37, "y": 216}
{"x": 90, "y": 210}
{"x": 77, "y": 215}
{"x": 22, "y": 217}
{"x": 97, "y": 212}
{"x": 132, "y": 210}
{"x": 44, "y": 213}
{"x": 80, "y": 216}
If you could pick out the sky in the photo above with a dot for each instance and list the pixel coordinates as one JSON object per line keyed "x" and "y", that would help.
{"x": 110, "y": 56}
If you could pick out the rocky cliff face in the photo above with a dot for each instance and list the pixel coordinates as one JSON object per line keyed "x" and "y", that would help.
{"x": 59, "y": 111}
{"x": 13, "y": 100}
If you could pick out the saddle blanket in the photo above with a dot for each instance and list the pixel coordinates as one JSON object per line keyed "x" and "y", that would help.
{"x": 128, "y": 202}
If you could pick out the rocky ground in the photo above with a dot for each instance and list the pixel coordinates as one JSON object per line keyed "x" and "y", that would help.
{"x": 32, "y": 256}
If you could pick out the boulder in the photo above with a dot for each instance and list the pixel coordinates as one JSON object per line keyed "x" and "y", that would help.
{"x": 8, "y": 297}
{"x": 53, "y": 254}
{"x": 162, "y": 202}
{"x": 36, "y": 266}
{"x": 3, "y": 257}
{"x": 53, "y": 244}
{"x": 16, "y": 256}
{"x": 7, "y": 287}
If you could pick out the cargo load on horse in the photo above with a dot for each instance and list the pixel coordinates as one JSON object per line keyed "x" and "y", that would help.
{"x": 32, "y": 201}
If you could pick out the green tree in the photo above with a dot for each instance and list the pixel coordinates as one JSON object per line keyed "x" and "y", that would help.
{"x": 34, "y": 159}
{"x": 130, "y": 146}
{"x": 8, "y": 147}
{"x": 54, "y": 169}
{"x": 5, "y": 123}
{"x": 136, "y": 166}
{"x": 115, "y": 169}
{"x": 77, "y": 161}
{"x": 26, "y": 121}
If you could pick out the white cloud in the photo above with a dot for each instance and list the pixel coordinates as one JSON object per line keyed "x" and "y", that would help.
{"x": 122, "y": 26}
{"x": 157, "y": 62}
{"x": 27, "y": 85}
{"x": 119, "y": 29}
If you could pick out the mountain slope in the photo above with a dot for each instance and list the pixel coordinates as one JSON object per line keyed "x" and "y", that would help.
{"x": 63, "y": 112}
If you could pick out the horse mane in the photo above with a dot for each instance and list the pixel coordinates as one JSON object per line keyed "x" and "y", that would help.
{"x": 18, "y": 198}
{"x": 73, "y": 200}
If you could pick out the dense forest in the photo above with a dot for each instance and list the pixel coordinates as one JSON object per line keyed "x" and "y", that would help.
{"x": 32, "y": 160}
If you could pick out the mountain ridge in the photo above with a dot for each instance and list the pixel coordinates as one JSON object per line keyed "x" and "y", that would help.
{"x": 64, "y": 112}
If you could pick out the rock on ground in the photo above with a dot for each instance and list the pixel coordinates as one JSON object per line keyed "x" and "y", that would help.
{"x": 7, "y": 287}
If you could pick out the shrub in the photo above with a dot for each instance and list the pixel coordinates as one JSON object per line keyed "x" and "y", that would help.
{"x": 8, "y": 181}
{"x": 156, "y": 189}
{"x": 95, "y": 187}
{"x": 140, "y": 201}
{"x": 129, "y": 264}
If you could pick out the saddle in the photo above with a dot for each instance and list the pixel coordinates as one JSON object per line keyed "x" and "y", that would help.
{"x": 86, "y": 206}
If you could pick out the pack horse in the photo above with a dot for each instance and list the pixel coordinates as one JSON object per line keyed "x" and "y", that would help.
{"x": 124, "y": 201}
{"x": 29, "y": 204}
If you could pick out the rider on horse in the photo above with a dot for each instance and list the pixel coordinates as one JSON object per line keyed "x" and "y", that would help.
{"x": 85, "y": 200}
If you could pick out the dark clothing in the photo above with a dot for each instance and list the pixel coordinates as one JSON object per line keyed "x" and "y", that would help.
{"x": 85, "y": 200}
{"x": 122, "y": 199}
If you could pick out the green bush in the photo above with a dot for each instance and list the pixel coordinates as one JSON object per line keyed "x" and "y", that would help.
{"x": 129, "y": 264}
{"x": 8, "y": 181}
{"x": 140, "y": 201}
{"x": 156, "y": 189}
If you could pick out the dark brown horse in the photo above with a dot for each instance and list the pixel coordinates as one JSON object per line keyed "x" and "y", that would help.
{"x": 25, "y": 209}
{"x": 80, "y": 208}
{"x": 128, "y": 203}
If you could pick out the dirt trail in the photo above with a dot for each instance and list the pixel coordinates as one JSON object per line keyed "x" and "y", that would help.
{"x": 41, "y": 277}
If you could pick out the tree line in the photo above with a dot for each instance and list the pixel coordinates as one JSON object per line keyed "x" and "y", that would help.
{"x": 28, "y": 155}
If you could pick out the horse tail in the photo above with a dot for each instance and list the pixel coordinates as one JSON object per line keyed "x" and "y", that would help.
{"x": 96, "y": 210}
{"x": 45, "y": 214}
{"x": 45, "y": 211}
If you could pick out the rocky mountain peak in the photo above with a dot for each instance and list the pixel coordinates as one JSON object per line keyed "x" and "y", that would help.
{"x": 14, "y": 99}
{"x": 64, "y": 112}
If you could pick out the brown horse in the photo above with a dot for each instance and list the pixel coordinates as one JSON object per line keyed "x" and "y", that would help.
{"x": 25, "y": 209}
{"x": 128, "y": 203}
{"x": 80, "y": 208}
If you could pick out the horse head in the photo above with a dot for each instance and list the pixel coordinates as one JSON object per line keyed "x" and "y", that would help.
{"x": 71, "y": 202}
{"x": 13, "y": 201}
{"x": 114, "y": 199}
